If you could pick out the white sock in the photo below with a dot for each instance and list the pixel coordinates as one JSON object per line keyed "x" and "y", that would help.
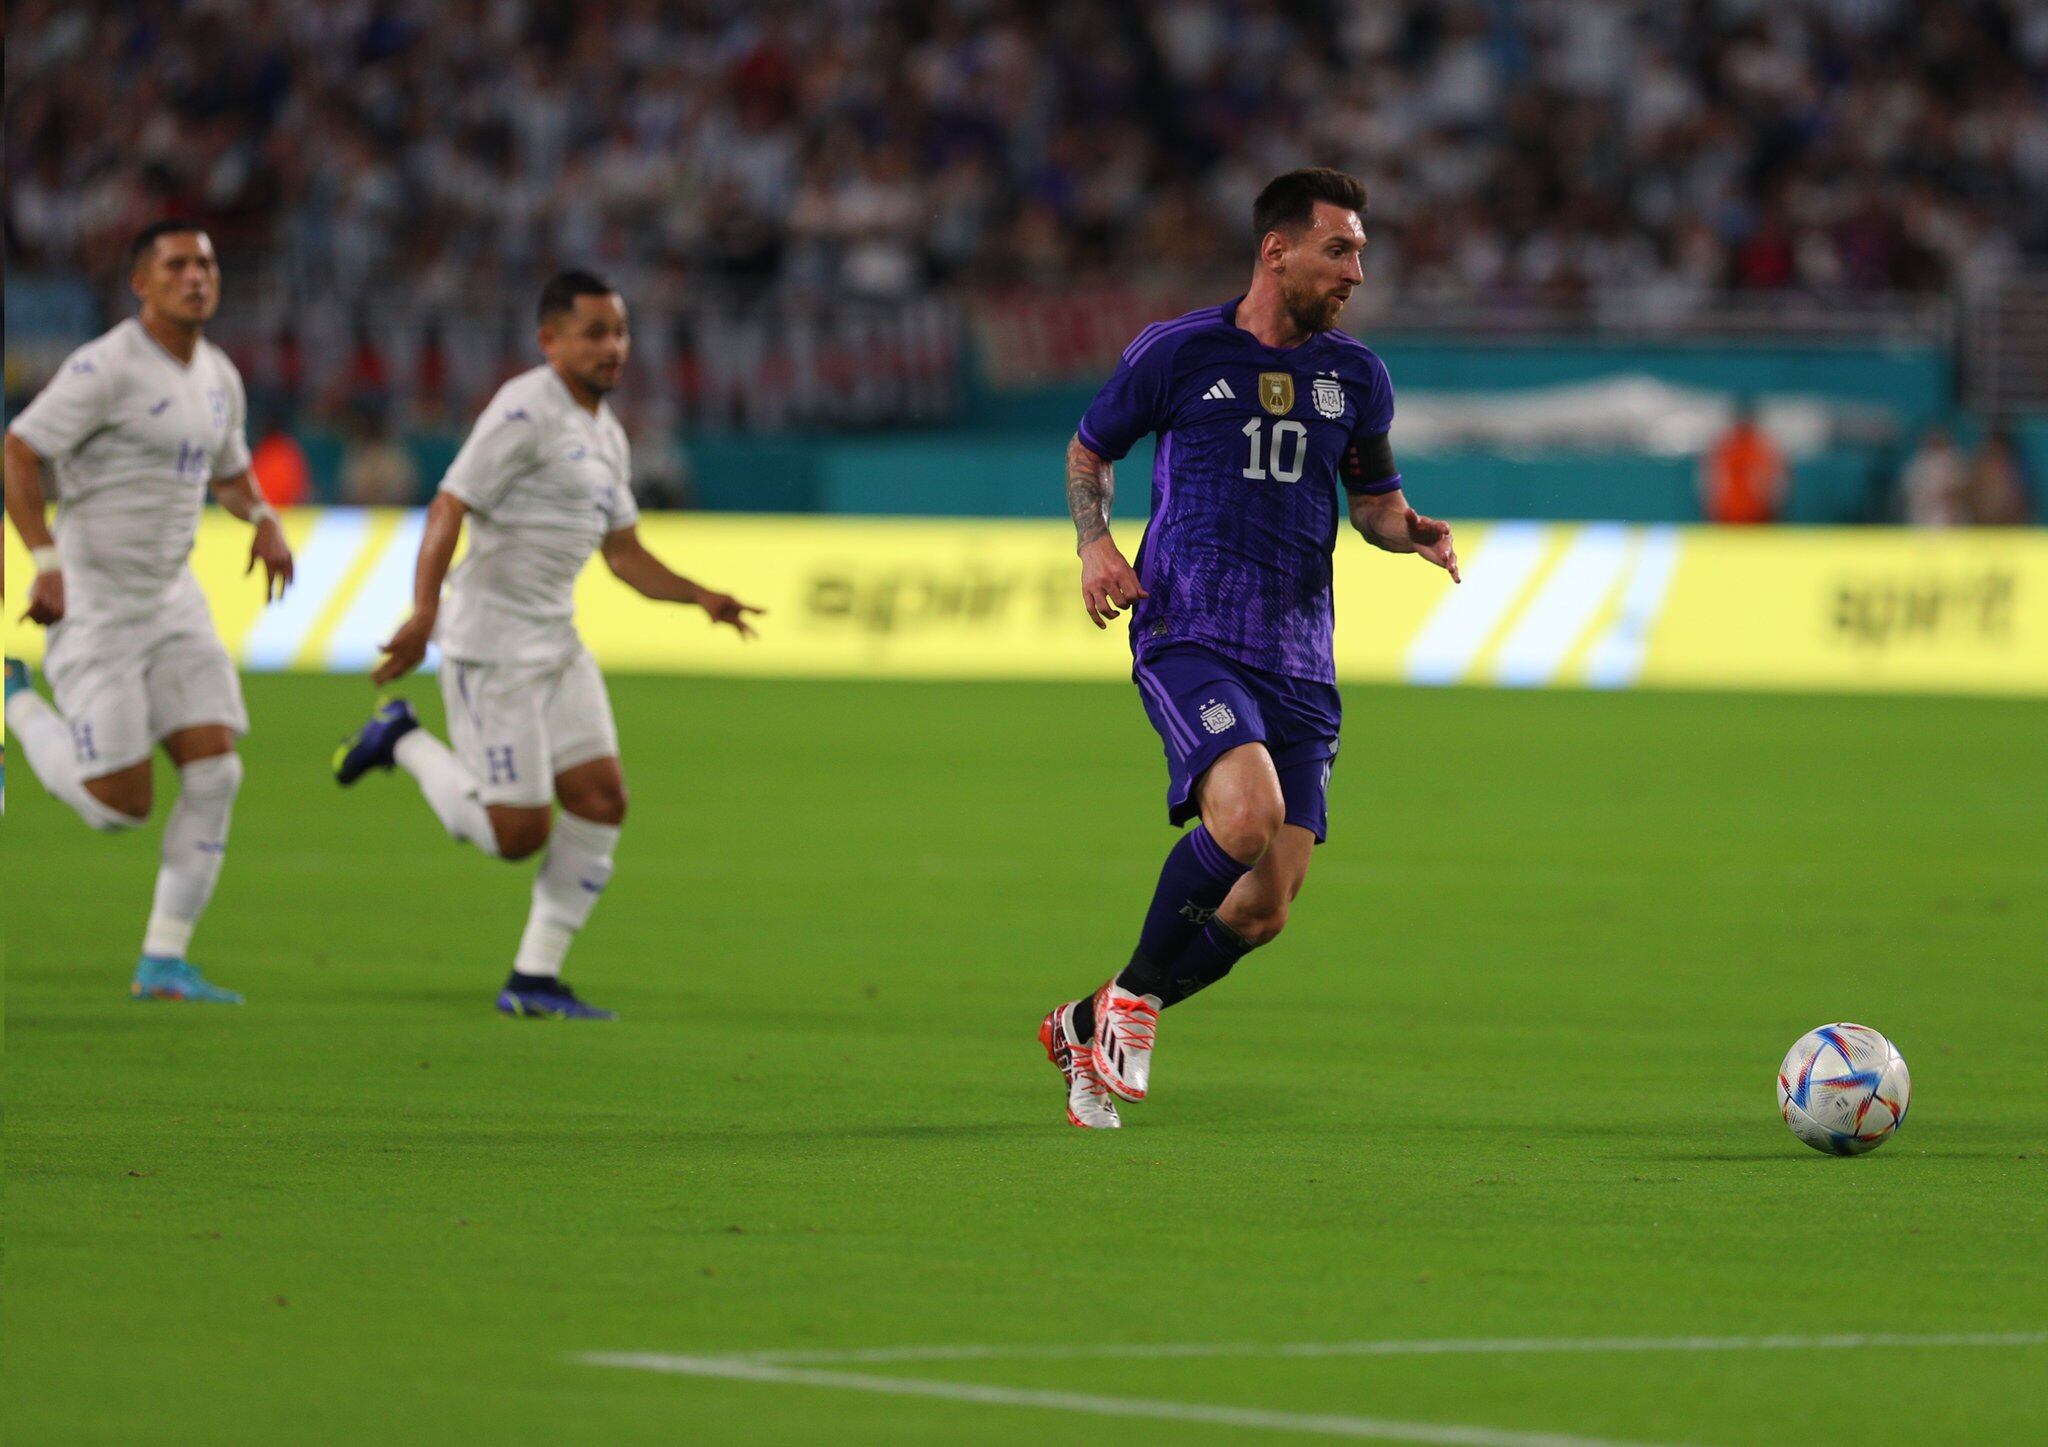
{"x": 450, "y": 791}
{"x": 195, "y": 846}
{"x": 46, "y": 739}
{"x": 574, "y": 874}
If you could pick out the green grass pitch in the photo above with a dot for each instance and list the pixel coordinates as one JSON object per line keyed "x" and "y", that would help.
{"x": 1509, "y": 1074}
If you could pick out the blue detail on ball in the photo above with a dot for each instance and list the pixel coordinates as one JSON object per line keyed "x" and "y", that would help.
{"x": 1803, "y": 1089}
{"x": 1827, "y": 1033}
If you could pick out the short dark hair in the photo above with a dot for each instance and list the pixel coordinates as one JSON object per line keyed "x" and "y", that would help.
{"x": 145, "y": 239}
{"x": 560, "y": 294}
{"x": 1289, "y": 202}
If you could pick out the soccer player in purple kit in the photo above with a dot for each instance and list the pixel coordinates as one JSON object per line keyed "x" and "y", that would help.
{"x": 1263, "y": 410}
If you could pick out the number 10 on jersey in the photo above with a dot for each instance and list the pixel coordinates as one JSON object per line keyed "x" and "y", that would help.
{"x": 1285, "y": 454}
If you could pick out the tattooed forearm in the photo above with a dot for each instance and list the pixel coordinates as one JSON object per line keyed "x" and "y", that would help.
{"x": 1091, "y": 486}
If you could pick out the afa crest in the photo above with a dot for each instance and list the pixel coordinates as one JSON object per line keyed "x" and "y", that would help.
{"x": 1328, "y": 395}
{"x": 1276, "y": 392}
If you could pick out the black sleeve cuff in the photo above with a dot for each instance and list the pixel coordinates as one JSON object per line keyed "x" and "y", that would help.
{"x": 1368, "y": 466}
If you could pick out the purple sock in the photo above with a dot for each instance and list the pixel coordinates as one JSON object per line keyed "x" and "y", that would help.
{"x": 1209, "y": 956}
{"x": 1197, "y": 875}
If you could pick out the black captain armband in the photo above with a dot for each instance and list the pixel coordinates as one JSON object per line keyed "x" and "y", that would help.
{"x": 1368, "y": 466}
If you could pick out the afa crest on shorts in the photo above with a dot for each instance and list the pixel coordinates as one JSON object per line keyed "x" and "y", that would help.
{"x": 1328, "y": 395}
{"x": 1276, "y": 392}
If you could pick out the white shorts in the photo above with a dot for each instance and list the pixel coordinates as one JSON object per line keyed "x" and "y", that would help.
{"x": 515, "y": 726}
{"x": 125, "y": 684}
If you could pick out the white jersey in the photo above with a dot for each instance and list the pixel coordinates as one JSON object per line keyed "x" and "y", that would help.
{"x": 134, "y": 438}
{"x": 545, "y": 482}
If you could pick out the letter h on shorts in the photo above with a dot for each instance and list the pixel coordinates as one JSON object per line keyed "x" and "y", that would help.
{"x": 499, "y": 759}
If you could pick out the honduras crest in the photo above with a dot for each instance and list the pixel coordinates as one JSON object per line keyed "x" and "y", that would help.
{"x": 1328, "y": 395}
{"x": 1276, "y": 392}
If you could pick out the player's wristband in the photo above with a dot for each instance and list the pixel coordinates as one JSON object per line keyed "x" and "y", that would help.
{"x": 45, "y": 558}
{"x": 262, "y": 513}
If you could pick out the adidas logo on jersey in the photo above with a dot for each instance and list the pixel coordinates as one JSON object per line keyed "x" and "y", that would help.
{"x": 1220, "y": 392}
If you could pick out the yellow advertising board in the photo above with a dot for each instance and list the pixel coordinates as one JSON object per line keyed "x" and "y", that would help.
{"x": 1889, "y": 609}
{"x": 1543, "y": 604}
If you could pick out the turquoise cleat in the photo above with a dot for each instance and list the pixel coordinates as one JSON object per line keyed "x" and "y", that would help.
{"x": 17, "y": 677}
{"x": 157, "y": 978}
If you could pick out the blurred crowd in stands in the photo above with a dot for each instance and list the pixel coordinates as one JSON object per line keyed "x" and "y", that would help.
{"x": 430, "y": 160}
{"x": 1746, "y": 479}
{"x": 1514, "y": 148}
{"x": 1989, "y": 486}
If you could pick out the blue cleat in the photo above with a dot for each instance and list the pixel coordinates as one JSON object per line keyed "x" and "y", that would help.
{"x": 157, "y": 978}
{"x": 531, "y": 998}
{"x": 374, "y": 744}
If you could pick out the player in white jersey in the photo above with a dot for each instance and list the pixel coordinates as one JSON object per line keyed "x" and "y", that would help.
{"x": 137, "y": 427}
{"x": 545, "y": 480}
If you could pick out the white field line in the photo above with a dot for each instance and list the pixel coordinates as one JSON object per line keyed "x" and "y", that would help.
{"x": 1396, "y": 1347}
{"x": 1318, "y": 1424}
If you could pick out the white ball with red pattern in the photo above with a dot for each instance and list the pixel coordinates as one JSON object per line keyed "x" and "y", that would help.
{"x": 1843, "y": 1089}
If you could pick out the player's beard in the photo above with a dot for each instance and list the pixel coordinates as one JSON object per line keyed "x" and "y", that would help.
{"x": 1310, "y": 310}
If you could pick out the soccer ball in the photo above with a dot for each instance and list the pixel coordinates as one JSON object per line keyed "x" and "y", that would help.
{"x": 1843, "y": 1089}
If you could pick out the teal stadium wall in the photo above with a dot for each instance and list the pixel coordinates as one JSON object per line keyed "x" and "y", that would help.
{"x": 1017, "y": 474}
{"x": 1004, "y": 459}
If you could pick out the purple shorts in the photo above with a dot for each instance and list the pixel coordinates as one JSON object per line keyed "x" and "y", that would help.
{"x": 1204, "y": 705}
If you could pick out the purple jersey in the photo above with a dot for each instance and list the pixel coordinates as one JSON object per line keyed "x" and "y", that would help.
{"x": 1253, "y": 443}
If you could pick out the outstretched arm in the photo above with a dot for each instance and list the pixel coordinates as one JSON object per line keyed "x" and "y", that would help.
{"x": 1387, "y": 522}
{"x": 408, "y": 645}
{"x": 1107, "y": 579}
{"x": 239, "y": 494}
{"x": 647, "y": 575}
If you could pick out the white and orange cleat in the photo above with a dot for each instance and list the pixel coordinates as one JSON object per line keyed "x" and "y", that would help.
{"x": 1089, "y": 1104}
{"x": 1125, "y": 1025}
